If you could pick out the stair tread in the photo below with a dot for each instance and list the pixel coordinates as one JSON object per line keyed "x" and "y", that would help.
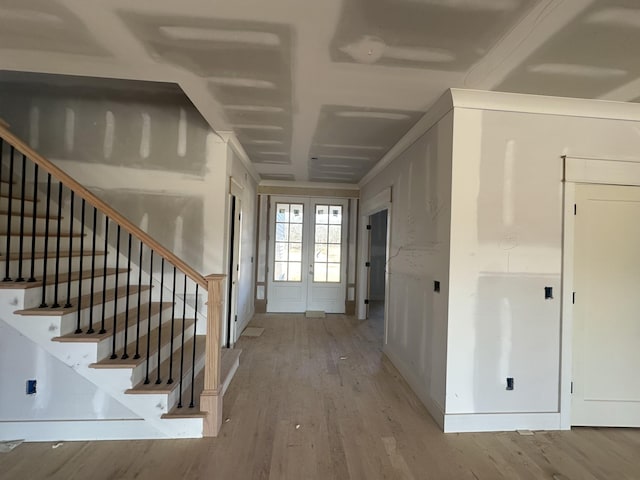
{"x": 63, "y": 254}
{"x": 153, "y": 347}
{"x": 153, "y": 388}
{"x": 96, "y": 337}
{"x": 4, "y": 211}
{"x": 228, "y": 357}
{"x": 189, "y": 412}
{"x": 63, "y": 278}
{"x": 63, "y": 234}
{"x": 109, "y": 295}
{"x": 16, "y": 196}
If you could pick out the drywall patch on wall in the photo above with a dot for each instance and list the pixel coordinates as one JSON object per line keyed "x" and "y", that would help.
{"x": 124, "y": 123}
{"x": 175, "y": 221}
{"x": 418, "y": 34}
{"x": 420, "y": 178}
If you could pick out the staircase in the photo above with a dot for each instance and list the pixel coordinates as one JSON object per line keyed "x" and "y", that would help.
{"x": 94, "y": 292}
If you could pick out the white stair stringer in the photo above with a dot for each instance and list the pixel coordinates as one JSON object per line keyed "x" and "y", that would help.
{"x": 42, "y": 329}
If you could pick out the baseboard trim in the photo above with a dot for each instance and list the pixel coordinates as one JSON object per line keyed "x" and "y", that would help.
{"x": 501, "y": 422}
{"x": 78, "y": 430}
{"x": 418, "y": 388}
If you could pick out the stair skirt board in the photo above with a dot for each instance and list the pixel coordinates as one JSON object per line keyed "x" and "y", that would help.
{"x": 86, "y": 430}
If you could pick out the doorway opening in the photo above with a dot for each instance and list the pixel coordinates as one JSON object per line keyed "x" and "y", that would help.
{"x": 235, "y": 219}
{"x": 307, "y": 248}
{"x": 377, "y": 270}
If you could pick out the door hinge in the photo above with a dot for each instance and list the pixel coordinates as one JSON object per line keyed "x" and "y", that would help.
{"x": 573, "y": 298}
{"x": 575, "y": 209}
{"x": 367, "y": 264}
{"x": 368, "y": 227}
{"x": 571, "y": 387}
{"x": 236, "y": 318}
{"x": 366, "y": 301}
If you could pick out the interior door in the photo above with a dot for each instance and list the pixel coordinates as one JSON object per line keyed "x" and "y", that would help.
{"x": 606, "y": 342}
{"x": 307, "y": 245}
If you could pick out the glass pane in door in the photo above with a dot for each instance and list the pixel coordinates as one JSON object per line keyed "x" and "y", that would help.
{"x": 327, "y": 244}
{"x": 288, "y": 242}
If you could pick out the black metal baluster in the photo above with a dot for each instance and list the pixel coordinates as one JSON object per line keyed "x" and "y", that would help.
{"x": 68, "y": 303}
{"x": 57, "y": 269}
{"x": 34, "y": 212}
{"x": 173, "y": 321}
{"x": 7, "y": 277}
{"x": 104, "y": 278}
{"x": 22, "y": 200}
{"x": 126, "y": 306}
{"x": 137, "y": 355}
{"x": 78, "y": 326}
{"x": 193, "y": 354}
{"x": 115, "y": 300}
{"x": 146, "y": 378}
{"x": 158, "y": 380}
{"x": 43, "y": 304}
{"x": 184, "y": 312}
{"x": 93, "y": 270}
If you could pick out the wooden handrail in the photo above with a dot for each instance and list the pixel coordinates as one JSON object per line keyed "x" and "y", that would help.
{"x": 102, "y": 206}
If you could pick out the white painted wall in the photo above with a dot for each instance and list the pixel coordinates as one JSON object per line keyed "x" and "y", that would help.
{"x": 420, "y": 181}
{"x": 506, "y": 246}
{"x": 54, "y": 399}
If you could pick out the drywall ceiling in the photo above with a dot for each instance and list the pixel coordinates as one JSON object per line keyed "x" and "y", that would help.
{"x": 319, "y": 91}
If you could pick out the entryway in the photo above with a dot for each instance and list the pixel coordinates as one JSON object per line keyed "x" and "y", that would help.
{"x": 307, "y": 248}
{"x": 377, "y": 269}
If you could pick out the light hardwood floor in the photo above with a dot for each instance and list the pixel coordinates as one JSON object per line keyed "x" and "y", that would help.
{"x": 316, "y": 399}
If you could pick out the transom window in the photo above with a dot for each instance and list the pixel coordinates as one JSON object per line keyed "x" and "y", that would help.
{"x": 288, "y": 242}
{"x": 327, "y": 243}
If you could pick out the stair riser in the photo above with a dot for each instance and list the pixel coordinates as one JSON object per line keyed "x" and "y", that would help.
{"x": 104, "y": 347}
{"x": 33, "y": 296}
{"x": 39, "y": 264}
{"x": 138, "y": 374}
{"x": 28, "y": 222}
{"x": 65, "y": 324}
{"x": 15, "y": 202}
{"x": 173, "y": 397}
{"x": 65, "y": 242}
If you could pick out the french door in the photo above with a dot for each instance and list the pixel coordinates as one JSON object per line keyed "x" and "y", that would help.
{"x": 307, "y": 251}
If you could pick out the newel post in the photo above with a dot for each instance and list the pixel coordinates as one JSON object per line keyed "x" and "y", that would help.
{"x": 211, "y": 397}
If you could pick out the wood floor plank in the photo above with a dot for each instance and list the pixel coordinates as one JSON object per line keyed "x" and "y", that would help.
{"x": 315, "y": 398}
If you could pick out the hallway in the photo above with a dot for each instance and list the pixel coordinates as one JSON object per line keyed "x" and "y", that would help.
{"x": 315, "y": 399}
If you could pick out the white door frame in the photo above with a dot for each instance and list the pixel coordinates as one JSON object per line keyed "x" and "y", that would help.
{"x": 379, "y": 202}
{"x": 577, "y": 170}
{"x": 308, "y": 263}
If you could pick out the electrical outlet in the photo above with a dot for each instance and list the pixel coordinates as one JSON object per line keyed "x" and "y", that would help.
{"x": 509, "y": 383}
{"x": 31, "y": 387}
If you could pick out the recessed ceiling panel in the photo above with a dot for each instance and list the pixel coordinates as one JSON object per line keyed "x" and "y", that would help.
{"x": 587, "y": 58}
{"x": 435, "y": 34}
{"x": 247, "y": 66}
{"x": 350, "y": 140}
{"x": 44, "y": 25}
